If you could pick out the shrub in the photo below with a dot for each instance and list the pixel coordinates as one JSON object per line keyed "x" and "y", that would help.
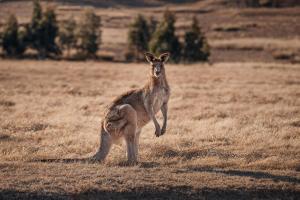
{"x": 195, "y": 44}
{"x": 267, "y": 3}
{"x": 284, "y": 55}
{"x": 164, "y": 38}
{"x": 66, "y": 35}
{"x": 13, "y": 39}
{"x": 138, "y": 37}
{"x": 88, "y": 34}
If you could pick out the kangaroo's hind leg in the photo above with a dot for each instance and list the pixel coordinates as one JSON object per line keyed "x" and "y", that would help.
{"x": 105, "y": 145}
{"x": 115, "y": 126}
{"x": 129, "y": 132}
{"x": 137, "y": 138}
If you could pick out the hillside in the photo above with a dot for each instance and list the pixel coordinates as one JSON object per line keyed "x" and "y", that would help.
{"x": 235, "y": 33}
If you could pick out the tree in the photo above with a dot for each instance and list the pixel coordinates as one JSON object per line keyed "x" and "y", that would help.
{"x": 164, "y": 38}
{"x": 138, "y": 37}
{"x": 43, "y": 30}
{"x": 34, "y": 26}
{"x": 1, "y": 39}
{"x": 152, "y": 26}
{"x": 12, "y": 39}
{"x": 195, "y": 44}
{"x": 88, "y": 34}
{"x": 252, "y": 3}
{"x": 49, "y": 31}
{"x": 66, "y": 36}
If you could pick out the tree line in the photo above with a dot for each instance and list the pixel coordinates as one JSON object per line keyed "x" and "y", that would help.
{"x": 149, "y": 35}
{"x": 82, "y": 39}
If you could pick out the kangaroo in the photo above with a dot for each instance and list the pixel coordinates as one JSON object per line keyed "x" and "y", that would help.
{"x": 130, "y": 112}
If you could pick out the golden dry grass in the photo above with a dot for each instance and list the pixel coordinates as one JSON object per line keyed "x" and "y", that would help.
{"x": 258, "y": 44}
{"x": 234, "y": 132}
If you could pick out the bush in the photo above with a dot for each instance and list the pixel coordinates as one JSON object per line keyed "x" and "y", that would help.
{"x": 66, "y": 35}
{"x": 164, "y": 38}
{"x": 268, "y": 3}
{"x": 138, "y": 38}
{"x": 43, "y": 30}
{"x": 88, "y": 34}
{"x": 195, "y": 44}
{"x": 13, "y": 39}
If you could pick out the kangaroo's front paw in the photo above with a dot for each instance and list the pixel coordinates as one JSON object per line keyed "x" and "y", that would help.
{"x": 157, "y": 131}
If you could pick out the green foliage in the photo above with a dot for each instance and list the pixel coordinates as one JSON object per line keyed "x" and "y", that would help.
{"x": 42, "y": 33}
{"x": 88, "y": 34}
{"x": 37, "y": 13}
{"x": 43, "y": 30}
{"x": 195, "y": 47}
{"x": 138, "y": 37}
{"x": 267, "y": 3}
{"x": 252, "y": 3}
{"x": 152, "y": 26}
{"x": 34, "y": 26}
{"x": 1, "y": 38}
{"x": 164, "y": 38}
{"x": 66, "y": 36}
{"x": 13, "y": 39}
{"x": 49, "y": 31}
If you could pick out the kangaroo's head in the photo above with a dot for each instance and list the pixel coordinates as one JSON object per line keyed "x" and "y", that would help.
{"x": 157, "y": 64}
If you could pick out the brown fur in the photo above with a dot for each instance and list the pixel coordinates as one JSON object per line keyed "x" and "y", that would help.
{"x": 129, "y": 112}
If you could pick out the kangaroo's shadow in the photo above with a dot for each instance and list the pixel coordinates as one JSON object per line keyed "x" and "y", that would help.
{"x": 64, "y": 160}
{"x": 245, "y": 173}
{"x": 148, "y": 165}
{"x": 91, "y": 161}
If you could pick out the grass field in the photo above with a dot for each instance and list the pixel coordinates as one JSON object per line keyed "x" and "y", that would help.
{"x": 234, "y": 124}
{"x": 234, "y": 132}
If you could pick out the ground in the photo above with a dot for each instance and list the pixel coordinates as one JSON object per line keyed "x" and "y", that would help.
{"x": 234, "y": 125}
{"x": 233, "y": 132}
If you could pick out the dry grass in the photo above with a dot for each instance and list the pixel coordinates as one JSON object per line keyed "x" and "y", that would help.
{"x": 234, "y": 129}
{"x": 279, "y": 49}
{"x": 258, "y": 44}
{"x": 234, "y": 132}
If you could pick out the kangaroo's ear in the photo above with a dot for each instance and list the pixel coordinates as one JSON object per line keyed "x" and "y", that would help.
{"x": 149, "y": 57}
{"x": 164, "y": 57}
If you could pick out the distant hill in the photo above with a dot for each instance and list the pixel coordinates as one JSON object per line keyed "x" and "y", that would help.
{"x": 115, "y": 3}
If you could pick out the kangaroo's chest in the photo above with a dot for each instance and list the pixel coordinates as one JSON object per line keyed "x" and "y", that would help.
{"x": 160, "y": 97}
